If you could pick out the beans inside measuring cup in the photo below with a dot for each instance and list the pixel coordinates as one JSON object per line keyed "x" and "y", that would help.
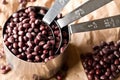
{"x": 30, "y": 39}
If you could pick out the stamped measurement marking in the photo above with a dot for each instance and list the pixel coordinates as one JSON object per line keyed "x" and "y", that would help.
{"x": 109, "y": 22}
{"x": 62, "y": 2}
{"x": 93, "y": 25}
{"x": 79, "y": 13}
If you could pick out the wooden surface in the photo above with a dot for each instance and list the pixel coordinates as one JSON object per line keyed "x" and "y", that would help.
{"x": 80, "y": 43}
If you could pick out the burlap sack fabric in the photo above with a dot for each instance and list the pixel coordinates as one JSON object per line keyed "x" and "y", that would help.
{"x": 80, "y": 43}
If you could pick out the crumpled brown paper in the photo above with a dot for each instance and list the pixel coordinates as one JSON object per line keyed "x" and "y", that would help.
{"x": 80, "y": 43}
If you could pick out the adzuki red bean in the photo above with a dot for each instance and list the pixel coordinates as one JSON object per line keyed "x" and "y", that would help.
{"x": 104, "y": 62}
{"x": 5, "y": 69}
{"x": 30, "y": 39}
{"x": 4, "y": 2}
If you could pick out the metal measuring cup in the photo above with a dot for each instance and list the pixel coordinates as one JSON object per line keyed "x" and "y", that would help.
{"x": 45, "y": 70}
{"x": 51, "y": 15}
{"x": 56, "y": 8}
{"x": 79, "y": 12}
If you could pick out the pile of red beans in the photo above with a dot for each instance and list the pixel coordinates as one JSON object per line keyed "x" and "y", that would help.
{"x": 104, "y": 62}
{"x": 30, "y": 39}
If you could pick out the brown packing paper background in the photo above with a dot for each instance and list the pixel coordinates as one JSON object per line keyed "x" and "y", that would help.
{"x": 80, "y": 42}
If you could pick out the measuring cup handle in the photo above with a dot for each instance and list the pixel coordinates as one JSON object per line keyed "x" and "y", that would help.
{"x": 54, "y": 10}
{"x": 104, "y": 23}
{"x": 81, "y": 11}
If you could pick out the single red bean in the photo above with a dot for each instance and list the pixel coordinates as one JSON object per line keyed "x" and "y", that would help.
{"x": 2, "y": 67}
{"x": 15, "y": 15}
{"x": 8, "y": 68}
{"x": 32, "y": 13}
{"x": 37, "y": 58}
{"x": 12, "y": 24}
{"x": 34, "y": 53}
{"x": 37, "y": 21}
{"x": 5, "y": 37}
{"x": 42, "y": 27}
{"x": 30, "y": 30}
{"x": 61, "y": 49}
{"x": 29, "y": 56}
{"x": 42, "y": 11}
{"x": 113, "y": 67}
{"x": 32, "y": 24}
{"x": 111, "y": 77}
{"x": 25, "y": 38}
{"x": 43, "y": 56}
{"x": 29, "y": 50}
{"x": 45, "y": 51}
{"x": 21, "y": 18}
{"x": 116, "y": 62}
{"x": 29, "y": 43}
{"x": 20, "y": 50}
{"x": 26, "y": 25}
{"x": 36, "y": 41}
{"x": 36, "y": 30}
{"x": 51, "y": 52}
{"x": 46, "y": 59}
{"x": 15, "y": 36}
{"x": 56, "y": 32}
{"x": 46, "y": 46}
{"x": 98, "y": 71}
{"x": 37, "y": 48}
{"x": 50, "y": 37}
{"x": 24, "y": 48}
{"x": 59, "y": 77}
{"x": 14, "y": 51}
{"x": 26, "y": 20}
{"x": 107, "y": 73}
{"x": 41, "y": 43}
{"x": 20, "y": 38}
{"x": 11, "y": 39}
{"x": 51, "y": 57}
{"x": 21, "y": 33}
{"x": 29, "y": 35}
{"x": 15, "y": 19}
{"x": 19, "y": 56}
{"x": 103, "y": 77}
{"x": 33, "y": 34}
{"x": 91, "y": 72}
{"x": 90, "y": 77}
{"x": 20, "y": 44}
{"x": 44, "y": 32}
{"x": 7, "y": 43}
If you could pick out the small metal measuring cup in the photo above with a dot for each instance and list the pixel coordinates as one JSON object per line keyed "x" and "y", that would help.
{"x": 52, "y": 13}
{"x": 54, "y": 10}
{"x": 45, "y": 70}
{"x": 79, "y": 12}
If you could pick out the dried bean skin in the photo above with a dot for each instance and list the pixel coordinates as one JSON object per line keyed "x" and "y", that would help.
{"x": 30, "y": 39}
